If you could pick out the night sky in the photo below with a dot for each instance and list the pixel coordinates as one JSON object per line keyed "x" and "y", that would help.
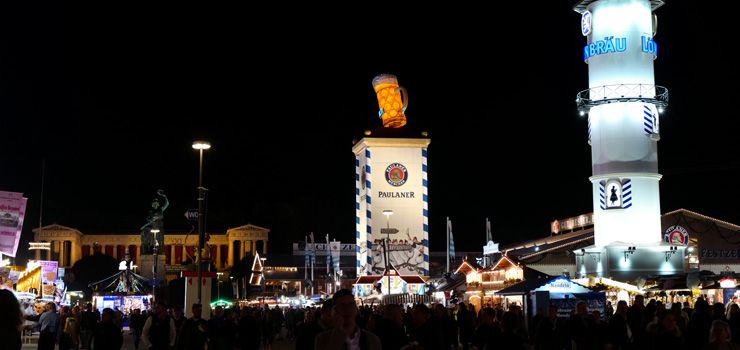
{"x": 112, "y": 96}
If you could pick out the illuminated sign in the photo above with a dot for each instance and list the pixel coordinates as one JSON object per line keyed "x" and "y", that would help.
{"x": 572, "y": 223}
{"x": 720, "y": 253}
{"x": 490, "y": 248}
{"x": 319, "y": 249}
{"x": 610, "y": 44}
{"x": 396, "y": 174}
{"x": 388, "y": 194}
{"x": 676, "y": 235}
{"x": 30, "y": 281}
{"x": 586, "y": 23}
{"x": 728, "y": 283}
{"x": 12, "y": 214}
{"x": 48, "y": 271}
{"x": 600, "y": 47}
{"x": 650, "y": 46}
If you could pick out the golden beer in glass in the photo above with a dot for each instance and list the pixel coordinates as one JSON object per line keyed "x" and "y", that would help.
{"x": 392, "y": 100}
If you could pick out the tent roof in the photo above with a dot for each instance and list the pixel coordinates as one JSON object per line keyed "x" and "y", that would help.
{"x": 122, "y": 282}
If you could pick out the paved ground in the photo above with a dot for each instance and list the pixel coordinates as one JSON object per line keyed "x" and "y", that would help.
{"x": 128, "y": 344}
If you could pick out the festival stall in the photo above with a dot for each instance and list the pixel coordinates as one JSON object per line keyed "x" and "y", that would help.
{"x": 392, "y": 287}
{"x": 614, "y": 290}
{"x": 540, "y": 293}
{"x": 124, "y": 290}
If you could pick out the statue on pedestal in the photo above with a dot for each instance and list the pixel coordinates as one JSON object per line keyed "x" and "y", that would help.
{"x": 155, "y": 221}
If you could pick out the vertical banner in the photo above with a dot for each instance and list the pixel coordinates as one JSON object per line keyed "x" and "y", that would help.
{"x": 335, "y": 248}
{"x": 12, "y": 211}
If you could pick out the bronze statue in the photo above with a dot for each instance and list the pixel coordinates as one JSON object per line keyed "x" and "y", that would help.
{"x": 155, "y": 221}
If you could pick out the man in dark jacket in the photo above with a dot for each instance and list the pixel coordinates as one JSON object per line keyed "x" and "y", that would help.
{"x": 159, "y": 329}
{"x": 390, "y": 328}
{"x": 619, "y": 330}
{"x": 346, "y": 334}
{"x": 136, "y": 324}
{"x": 89, "y": 320}
{"x": 107, "y": 334}
{"x": 195, "y": 331}
{"x": 426, "y": 331}
{"x": 249, "y": 332}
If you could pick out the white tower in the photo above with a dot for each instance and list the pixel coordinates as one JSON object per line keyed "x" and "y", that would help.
{"x": 623, "y": 104}
{"x": 391, "y": 201}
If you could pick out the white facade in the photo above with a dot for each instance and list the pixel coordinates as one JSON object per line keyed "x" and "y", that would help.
{"x": 620, "y": 147}
{"x": 391, "y": 175}
{"x": 623, "y": 105}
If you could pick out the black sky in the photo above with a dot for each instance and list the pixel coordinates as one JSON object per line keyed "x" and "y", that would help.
{"x": 112, "y": 95}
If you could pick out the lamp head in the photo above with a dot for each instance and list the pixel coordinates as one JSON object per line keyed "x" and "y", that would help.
{"x": 201, "y": 145}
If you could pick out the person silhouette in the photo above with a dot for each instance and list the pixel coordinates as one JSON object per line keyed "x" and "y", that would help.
{"x": 613, "y": 198}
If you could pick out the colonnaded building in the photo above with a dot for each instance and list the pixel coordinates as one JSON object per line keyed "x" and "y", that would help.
{"x": 68, "y": 245}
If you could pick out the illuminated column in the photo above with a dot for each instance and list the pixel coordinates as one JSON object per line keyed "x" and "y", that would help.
{"x": 214, "y": 257}
{"x": 622, "y": 104}
{"x": 231, "y": 253}
{"x": 61, "y": 253}
{"x": 392, "y": 176}
{"x": 76, "y": 251}
{"x": 38, "y": 254}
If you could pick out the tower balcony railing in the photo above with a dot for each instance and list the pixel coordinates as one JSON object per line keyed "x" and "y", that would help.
{"x": 647, "y": 93}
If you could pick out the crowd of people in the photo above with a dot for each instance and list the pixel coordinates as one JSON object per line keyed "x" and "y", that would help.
{"x": 339, "y": 323}
{"x": 651, "y": 325}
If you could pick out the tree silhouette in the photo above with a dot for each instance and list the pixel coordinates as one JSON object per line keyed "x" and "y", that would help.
{"x": 91, "y": 269}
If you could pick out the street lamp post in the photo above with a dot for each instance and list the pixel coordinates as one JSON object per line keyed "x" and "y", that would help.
{"x": 388, "y": 214}
{"x": 218, "y": 284}
{"x": 154, "y": 266}
{"x": 387, "y": 244}
{"x": 201, "y": 146}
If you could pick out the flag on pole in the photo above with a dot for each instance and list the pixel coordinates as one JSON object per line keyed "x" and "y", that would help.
{"x": 328, "y": 255}
{"x": 313, "y": 249}
{"x": 306, "y": 254}
{"x": 452, "y": 240}
{"x": 489, "y": 237}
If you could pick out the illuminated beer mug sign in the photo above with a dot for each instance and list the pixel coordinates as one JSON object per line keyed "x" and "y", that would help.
{"x": 392, "y": 100}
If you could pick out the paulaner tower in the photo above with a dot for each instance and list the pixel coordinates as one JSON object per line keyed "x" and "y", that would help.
{"x": 391, "y": 189}
{"x": 623, "y": 106}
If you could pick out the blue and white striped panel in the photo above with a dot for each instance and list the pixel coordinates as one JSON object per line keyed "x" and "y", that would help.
{"x": 626, "y": 193}
{"x": 357, "y": 213}
{"x": 425, "y": 208}
{"x": 368, "y": 207}
{"x": 649, "y": 120}
{"x": 602, "y": 195}
{"x": 589, "y": 128}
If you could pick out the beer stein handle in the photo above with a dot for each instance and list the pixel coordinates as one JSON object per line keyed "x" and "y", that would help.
{"x": 404, "y": 98}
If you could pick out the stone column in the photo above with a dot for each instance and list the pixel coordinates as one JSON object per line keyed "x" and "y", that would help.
{"x": 61, "y": 253}
{"x": 214, "y": 257}
{"x": 264, "y": 247}
{"x": 38, "y": 254}
{"x": 48, "y": 252}
{"x": 76, "y": 250}
{"x": 231, "y": 253}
